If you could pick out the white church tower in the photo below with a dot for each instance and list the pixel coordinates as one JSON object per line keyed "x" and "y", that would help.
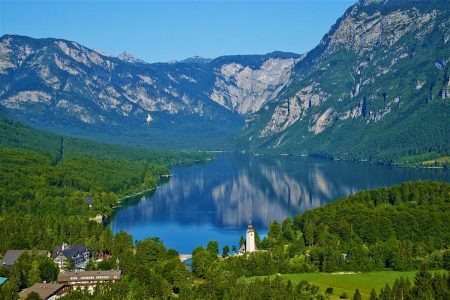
{"x": 250, "y": 239}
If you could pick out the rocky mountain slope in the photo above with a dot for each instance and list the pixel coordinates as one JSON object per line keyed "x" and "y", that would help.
{"x": 63, "y": 86}
{"x": 376, "y": 87}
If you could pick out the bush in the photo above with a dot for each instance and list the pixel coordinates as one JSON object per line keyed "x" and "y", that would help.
{"x": 329, "y": 291}
{"x": 343, "y": 296}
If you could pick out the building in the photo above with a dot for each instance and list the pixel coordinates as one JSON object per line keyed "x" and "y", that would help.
{"x": 250, "y": 245}
{"x": 89, "y": 278}
{"x": 12, "y": 255}
{"x": 46, "y": 291}
{"x": 79, "y": 254}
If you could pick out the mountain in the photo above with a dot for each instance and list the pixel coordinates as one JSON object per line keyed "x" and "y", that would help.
{"x": 65, "y": 87}
{"x": 376, "y": 87}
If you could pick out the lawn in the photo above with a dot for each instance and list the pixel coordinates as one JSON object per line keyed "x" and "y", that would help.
{"x": 349, "y": 282}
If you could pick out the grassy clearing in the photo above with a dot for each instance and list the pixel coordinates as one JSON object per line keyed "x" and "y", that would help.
{"x": 437, "y": 162}
{"x": 349, "y": 282}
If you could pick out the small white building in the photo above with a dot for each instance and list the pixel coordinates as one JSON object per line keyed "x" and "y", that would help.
{"x": 250, "y": 245}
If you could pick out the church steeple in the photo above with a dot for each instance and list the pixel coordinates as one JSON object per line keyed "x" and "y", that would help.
{"x": 250, "y": 245}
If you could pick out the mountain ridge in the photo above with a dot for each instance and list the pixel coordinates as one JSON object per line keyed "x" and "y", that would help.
{"x": 60, "y": 85}
{"x": 376, "y": 88}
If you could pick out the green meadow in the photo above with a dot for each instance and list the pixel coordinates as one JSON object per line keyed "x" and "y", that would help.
{"x": 349, "y": 282}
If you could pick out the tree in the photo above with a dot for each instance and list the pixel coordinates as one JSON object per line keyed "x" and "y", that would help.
{"x": 357, "y": 295}
{"x": 308, "y": 230}
{"x": 90, "y": 266}
{"x": 329, "y": 291}
{"x": 149, "y": 251}
{"x": 422, "y": 284}
{"x": 275, "y": 231}
{"x": 225, "y": 251}
{"x": 33, "y": 296}
{"x": 241, "y": 241}
{"x": 34, "y": 275}
{"x": 48, "y": 269}
{"x": 122, "y": 242}
{"x": 287, "y": 230}
{"x": 446, "y": 260}
{"x": 201, "y": 261}
{"x": 69, "y": 264}
{"x": 213, "y": 248}
{"x": 373, "y": 295}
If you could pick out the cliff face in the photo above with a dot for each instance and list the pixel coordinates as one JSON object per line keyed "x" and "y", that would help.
{"x": 380, "y": 74}
{"x": 244, "y": 90}
{"x": 63, "y": 86}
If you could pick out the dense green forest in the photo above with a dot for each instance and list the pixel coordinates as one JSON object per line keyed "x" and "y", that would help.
{"x": 16, "y": 135}
{"x": 396, "y": 228}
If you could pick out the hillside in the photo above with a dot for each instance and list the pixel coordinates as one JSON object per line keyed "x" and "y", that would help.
{"x": 15, "y": 135}
{"x": 376, "y": 87}
{"x": 65, "y": 87}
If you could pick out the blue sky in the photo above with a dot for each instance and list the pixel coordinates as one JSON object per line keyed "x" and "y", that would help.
{"x": 172, "y": 30}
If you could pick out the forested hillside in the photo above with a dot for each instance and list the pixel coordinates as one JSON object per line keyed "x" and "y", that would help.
{"x": 16, "y": 135}
{"x": 394, "y": 228}
{"x": 45, "y": 180}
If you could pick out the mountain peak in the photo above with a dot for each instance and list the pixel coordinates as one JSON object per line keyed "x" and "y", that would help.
{"x": 128, "y": 57}
{"x": 196, "y": 60}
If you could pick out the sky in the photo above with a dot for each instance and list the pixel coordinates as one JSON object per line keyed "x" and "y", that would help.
{"x": 160, "y": 31}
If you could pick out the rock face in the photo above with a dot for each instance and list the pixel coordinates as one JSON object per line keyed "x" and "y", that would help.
{"x": 244, "y": 90}
{"x": 63, "y": 86}
{"x": 380, "y": 74}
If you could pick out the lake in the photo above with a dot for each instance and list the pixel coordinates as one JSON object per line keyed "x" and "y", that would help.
{"x": 216, "y": 200}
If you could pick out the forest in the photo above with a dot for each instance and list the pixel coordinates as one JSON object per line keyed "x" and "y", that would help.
{"x": 397, "y": 228}
{"x": 44, "y": 187}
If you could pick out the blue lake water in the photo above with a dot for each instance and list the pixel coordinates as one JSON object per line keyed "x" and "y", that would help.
{"x": 216, "y": 200}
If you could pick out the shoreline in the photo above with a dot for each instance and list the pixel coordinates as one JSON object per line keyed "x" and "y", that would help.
{"x": 442, "y": 167}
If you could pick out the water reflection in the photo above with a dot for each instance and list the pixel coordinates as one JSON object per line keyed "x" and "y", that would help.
{"x": 216, "y": 200}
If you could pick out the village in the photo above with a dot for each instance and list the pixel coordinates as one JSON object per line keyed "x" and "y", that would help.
{"x": 72, "y": 261}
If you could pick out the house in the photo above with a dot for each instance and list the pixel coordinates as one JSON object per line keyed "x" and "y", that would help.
{"x": 79, "y": 254}
{"x": 46, "y": 291}
{"x": 89, "y": 278}
{"x": 12, "y": 255}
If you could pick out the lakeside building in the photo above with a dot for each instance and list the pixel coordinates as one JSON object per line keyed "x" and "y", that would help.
{"x": 12, "y": 255}
{"x": 46, "y": 291}
{"x": 79, "y": 254}
{"x": 250, "y": 245}
{"x": 89, "y": 278}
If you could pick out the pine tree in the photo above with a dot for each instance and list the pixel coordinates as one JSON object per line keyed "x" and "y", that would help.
{"x": 357, "y": 295}
{"x": 373, "y": 295}
{"x": 422, "y": 284}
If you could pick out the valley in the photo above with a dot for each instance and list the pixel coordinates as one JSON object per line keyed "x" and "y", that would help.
{"x": 311, "y": 176}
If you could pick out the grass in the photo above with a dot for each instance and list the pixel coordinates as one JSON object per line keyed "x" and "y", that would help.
{"x": 431, "y": 159}
{"x": 437, "y": 162}
{"x": 349, "y": 282}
